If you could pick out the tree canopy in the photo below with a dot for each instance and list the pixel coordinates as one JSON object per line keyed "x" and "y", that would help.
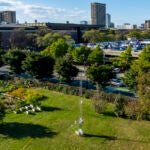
{"x": 18, "y": 39}
{"x": 96, "y": 56}
{"x": 99, "y": 74}
{"x": 14, "y": 58}
{"x": 38, "y": 65}
{"x": 124, "y": 60}
{"x": 138, "y": 75}
{"x": 80, "y": 54}
{"x": 56, "y": 49}
{"x": 92, "y": 36}
{"x": 65, "y": 70}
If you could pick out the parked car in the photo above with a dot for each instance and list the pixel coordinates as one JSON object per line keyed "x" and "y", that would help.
{"x": 116, "y": 82}
{"x": 116, "y": 70}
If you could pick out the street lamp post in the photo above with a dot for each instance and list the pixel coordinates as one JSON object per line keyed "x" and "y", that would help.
{"x": 80, "y": 121}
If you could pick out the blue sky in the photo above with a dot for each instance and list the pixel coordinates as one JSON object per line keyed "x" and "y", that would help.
{"x": 122, "y": 11}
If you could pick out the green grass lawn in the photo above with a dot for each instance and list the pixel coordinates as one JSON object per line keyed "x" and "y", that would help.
{"x": 54, "y": 128}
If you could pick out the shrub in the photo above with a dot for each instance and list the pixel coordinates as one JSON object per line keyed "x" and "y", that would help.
{"x": 59, "y": 88}
{"x": 145, "y": 109}
{"x": 2, "y": 111}
{"x": 133, "y": 110}
{"x": 19, "y": 104}
{"x": 88, "y": 94}
{"x": 19, "y": 93}
{"x": 99, "y": 102}
{"x": 65, "y": 90}
{"x": 33, "y": 97}
{"x": 119, "y": 106}
{"x": 100, "y": 106}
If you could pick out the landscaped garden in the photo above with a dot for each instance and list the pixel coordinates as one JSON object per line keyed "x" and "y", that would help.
{"x": 54, "y": 127}
{"x": 37, "y": 114}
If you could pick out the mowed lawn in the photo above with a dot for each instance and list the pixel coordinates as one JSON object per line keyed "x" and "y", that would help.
{"x": 54, "y": 128}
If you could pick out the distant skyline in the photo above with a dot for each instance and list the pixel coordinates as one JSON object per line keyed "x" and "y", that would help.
{"x": 74, "y": 11}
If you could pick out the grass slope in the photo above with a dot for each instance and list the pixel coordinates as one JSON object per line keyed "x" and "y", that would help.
{"x": 54, "y": 128}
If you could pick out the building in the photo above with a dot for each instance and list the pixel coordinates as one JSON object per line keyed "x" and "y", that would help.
{"x": 83, "y": 22}
{"x": 127, "y": 26}
{"x": 147, "y": 24}
{"x": 112, "y": 25}
{"x": 0, "y": 17}
{"x": 142, "y": 26}
{"x": 8, "y": 17}
{"x": 108, "y": 20}
{"x": 98, "y": 14}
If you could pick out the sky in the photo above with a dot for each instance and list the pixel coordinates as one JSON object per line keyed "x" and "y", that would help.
{"x": 74, "y": 11}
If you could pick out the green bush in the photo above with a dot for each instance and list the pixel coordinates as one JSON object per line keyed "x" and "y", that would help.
{"x": 2, "y": 111}
{"x": 133, "y": 110}
{"x": 65, "y": 90}
{"x": 88, "y": 94}
{"x": 119, "y": 106}
{"x": 100, "y": 106}
{"x": 99, "y": 102}
{"x": 59, "y": 88}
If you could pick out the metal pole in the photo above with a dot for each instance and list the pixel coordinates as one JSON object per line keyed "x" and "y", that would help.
{"x": 80, "y": 121}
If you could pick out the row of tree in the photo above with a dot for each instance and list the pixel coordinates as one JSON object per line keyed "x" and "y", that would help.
{"x": 62, "y": 58}
{"x": 34, "y": 41}
{"x": 44, "y": 37}
{"x": 94, "y": 36}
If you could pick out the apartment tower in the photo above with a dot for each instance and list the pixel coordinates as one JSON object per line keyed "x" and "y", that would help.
{"x": 8, "y": 17}
{"x": 98, "y": 14}
{"x": 108, "y": 20}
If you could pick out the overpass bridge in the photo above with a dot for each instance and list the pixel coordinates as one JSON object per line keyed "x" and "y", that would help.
{"x": 109, "y": 53}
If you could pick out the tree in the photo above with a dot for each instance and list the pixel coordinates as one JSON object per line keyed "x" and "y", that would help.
{"x": 43, "y": 30}
{"x": 14, "y": 58}
{"x": 110, "y": 37}
{"x": 144, "y": 60}
{"x": 103, "y": 37}
{"x": 65, "y": 69}
{"x": 99, "y": 74}
{"x": 38, "y": 65}
{"x": 56, "y": 49}
{"x": 96, "y": 56}
{"x": 31, "y": 41}
{"x": 134, "y": 34}
{"x": 18, "y": 38}
{"x": 80, "y": 54}
{"x": 92, "y": 36}
{"x": 2, "y": 52}
{"x": 129, "y": 78}
{"x": 143, "y": 85}
{"x": 124, "y": 60}
{"x": 138, "y": 75}
{"x": 51, "y": 37}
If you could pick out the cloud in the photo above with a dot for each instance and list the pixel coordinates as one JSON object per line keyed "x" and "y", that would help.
{"x": 33, "y": 10}
{"x": 4, "y": 4}
{"x": 42, "y": 13}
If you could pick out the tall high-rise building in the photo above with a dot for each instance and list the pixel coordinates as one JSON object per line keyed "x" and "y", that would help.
{"x": 98, "y": 14}
{"x": 147, "y": 24}
{"x": 8, "y": 16}
{"x": 108, "y": 20}
{"x": 0, "y": 17}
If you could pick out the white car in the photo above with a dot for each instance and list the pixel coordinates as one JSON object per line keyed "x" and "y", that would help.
{"x": 116, "y": 82}
{"x": 116, "y": 70}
